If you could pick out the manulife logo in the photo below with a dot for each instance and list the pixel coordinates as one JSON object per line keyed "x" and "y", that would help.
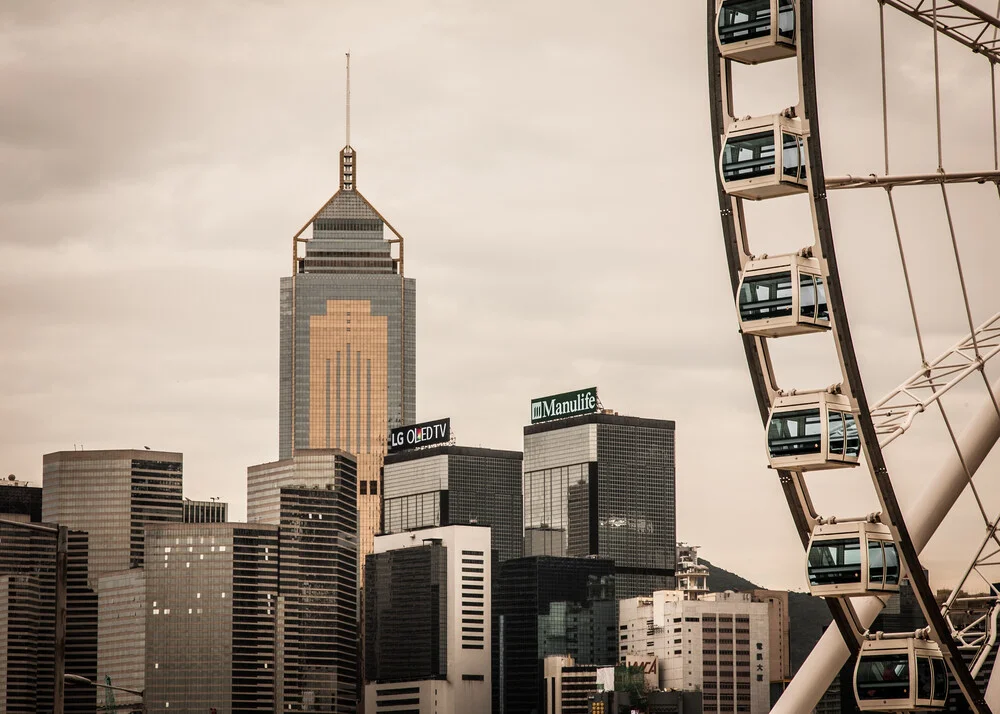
{"x": 560, "y": 406}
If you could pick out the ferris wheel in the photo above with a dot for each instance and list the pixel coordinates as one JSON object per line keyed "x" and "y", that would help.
{"x": 856, "y": 563}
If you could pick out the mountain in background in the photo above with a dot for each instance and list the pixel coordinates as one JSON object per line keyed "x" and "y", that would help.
{"x": 808, "y": 615}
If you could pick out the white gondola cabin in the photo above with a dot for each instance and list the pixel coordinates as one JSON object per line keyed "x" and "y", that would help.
{"x": 764, "y": 157}
{"x": 900, "y": 675}
{"x": 852, "y": 559}
{"x": 783, "y": 296}
{"x": 746, "y": 30}
{"x": 812, "y": 431}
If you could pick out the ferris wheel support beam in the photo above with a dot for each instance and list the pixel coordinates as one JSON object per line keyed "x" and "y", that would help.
{"x": 830, "y": 653}
{"x": 938, "y": 177}
{"x": 958, "y": 20}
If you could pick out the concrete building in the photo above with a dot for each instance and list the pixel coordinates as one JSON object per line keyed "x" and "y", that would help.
{"x": 602, "y": 484}
{"x": 212, "y": 511}
{"x": 212, "y": 599}
{"x": 568, "y": 686}
{"x": 718, "y": 644}
{"x": 551, "y": 606}
{"x": 779, "y": 655}
{"x": 348, "y": 340}
{"x": 112, "y": 496}
{"x": 121, "y": 631}
{"x": 427, "y": 622}
{"x": 311, "y": 498}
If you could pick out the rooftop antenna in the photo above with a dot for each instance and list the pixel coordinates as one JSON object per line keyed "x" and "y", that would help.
{"x": 348, "y": 122}
{"x": 347, "y": 153}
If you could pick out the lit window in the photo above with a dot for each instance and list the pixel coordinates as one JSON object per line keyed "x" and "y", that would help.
{"x": 197, "y": 595}
{"x": 156, "y": 611}
{"x": 222, "y": 549}
{"x": 166, "y": 611}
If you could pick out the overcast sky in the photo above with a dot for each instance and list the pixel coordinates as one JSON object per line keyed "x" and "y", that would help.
{"x": 550, "y": 166}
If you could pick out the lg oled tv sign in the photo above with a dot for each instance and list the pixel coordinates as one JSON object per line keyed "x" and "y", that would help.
{"x": 560, "y": 406}
{"x": 426, "y": 433}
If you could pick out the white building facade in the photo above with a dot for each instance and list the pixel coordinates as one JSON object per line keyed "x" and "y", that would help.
{"x": 463, "y": 683}
{"x": 718, "y": 644}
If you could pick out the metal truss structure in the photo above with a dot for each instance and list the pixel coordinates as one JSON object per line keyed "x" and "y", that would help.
{"x": 882, "y": 422}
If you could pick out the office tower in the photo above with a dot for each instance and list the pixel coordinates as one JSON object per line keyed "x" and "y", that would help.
{"x": 603, "y": 484}
{"x": 121, "y": 631}
{"x": 27, "y": 620}
{"x": 213, "y": 511}
{"x": 568, "y": 685}
{"x": 348, "y": 338}
{"x": 311, "y": 497}
{"x": 211, "y": 590}
{"x": 551, "y": 605}
{"x": 718, "y": 643}
{"x": 19, "y": 501}
{"x": 427, "y": 615}
{"x": 456, "y": 485}
{"x": 112, "y": 496}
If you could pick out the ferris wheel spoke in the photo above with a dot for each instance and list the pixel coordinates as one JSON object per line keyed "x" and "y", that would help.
{"x": 958, "y": 20}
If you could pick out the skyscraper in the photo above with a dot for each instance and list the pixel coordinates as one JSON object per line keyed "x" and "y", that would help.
{"x": 603, "y": 484}
{"x": 311, "y": 497}
{"x": 552, "y": 606}
{"x": 456, "y": 485}
{"x": 348, "y": 334}
{"x": 109, "y": 497}
{"x": 113, "y": 496}
{"x": 427, "y": 616}
{"x": 211, "y": 590}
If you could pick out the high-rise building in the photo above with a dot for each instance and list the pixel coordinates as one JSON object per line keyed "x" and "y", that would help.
{"x": 456, "y": 485}
{"x": 603, "y": 484}
{"x": 28, "y": 621}
{"x": 112, "y": 496}
{"x": 718, "y": 644}
{"x": 121, "y": 632}
{"x": 212, "y": 598}
{"x": 550, "y": 606}
{"x": 348, "y": 339}
{"x": 311, "y": 497}
{"x": 427, "y": 622}
{"x": 19, "y": 501}
{"x": 213, "y": 511}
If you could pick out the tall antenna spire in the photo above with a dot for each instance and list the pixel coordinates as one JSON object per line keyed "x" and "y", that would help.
{"x": 347, "y": 153}
{"x": 348, "y": 122}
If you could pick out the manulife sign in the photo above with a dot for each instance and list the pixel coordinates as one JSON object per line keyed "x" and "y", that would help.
{"x": 560, "y": 406}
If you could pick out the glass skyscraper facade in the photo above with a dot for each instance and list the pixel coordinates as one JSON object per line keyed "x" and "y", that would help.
{"x": 312, "y": 499}
{"x": 456, "y": 485}
{"x": 27, "y": 621}
{"x": 112, "y": 496}
{"x": 348, "y": 342}
{"x": 603, "y": 484}
{"x": 548, "y": 606}
{"x": 212, "y": 602}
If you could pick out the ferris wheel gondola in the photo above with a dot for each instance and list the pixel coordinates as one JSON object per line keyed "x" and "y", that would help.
{"x": 783, "y": 296}
{"x": 764, "y": 157}
{"x": 746, "y": 32}
{"x": 852, "y": 559}
{"x": 812, "y": 431}
{"x": 904, "y": 674}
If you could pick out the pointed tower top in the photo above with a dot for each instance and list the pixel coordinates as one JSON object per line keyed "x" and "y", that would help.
{"x": 347, "y": 159}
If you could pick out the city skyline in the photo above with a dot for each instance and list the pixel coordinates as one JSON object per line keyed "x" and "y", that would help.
{"x": 479, "y": 169}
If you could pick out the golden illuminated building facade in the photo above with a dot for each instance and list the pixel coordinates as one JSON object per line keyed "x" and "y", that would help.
{"x": 348, "y": 334}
